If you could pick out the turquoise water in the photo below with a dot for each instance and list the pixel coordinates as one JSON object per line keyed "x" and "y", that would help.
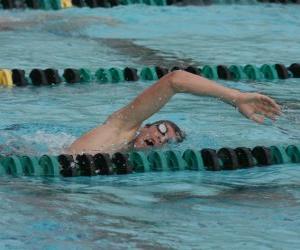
{"x": 255, "y": 208}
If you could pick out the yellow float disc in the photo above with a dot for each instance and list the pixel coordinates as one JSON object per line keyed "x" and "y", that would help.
{"x": 1, "y": 77}
{"x": 66, "y": 4}
{"x": 6, "y": 78}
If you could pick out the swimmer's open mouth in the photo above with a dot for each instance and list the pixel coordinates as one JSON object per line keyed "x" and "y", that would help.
{"x": 149, "y": 143}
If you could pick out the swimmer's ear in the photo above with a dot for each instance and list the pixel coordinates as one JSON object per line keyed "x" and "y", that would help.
{"x": 180, "y": 136}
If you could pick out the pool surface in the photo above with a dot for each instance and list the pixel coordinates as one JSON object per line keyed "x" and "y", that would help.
{"x": 243, "y": 209}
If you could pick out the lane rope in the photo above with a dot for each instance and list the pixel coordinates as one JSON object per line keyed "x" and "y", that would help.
{"x": 119, "y": 163}
{"x": 62, "y": 4}
{"x": 50, "y": 76}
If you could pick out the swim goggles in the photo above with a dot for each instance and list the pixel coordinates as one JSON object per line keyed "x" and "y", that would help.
{"x": 162, "y": 128}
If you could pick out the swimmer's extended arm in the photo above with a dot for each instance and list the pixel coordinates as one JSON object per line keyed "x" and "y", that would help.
{"x": 252, "y": 105}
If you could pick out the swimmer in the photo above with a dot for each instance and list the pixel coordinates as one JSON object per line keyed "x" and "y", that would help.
{"x": 122, "y": 130}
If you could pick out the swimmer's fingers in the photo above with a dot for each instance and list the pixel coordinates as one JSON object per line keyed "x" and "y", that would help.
{"x": 271, "y": 104}
{"x": 267, "y": 111}
{"x": 257, "y": 118}
{"x": 256, "y": 107}
{"x": 259, "y": 112}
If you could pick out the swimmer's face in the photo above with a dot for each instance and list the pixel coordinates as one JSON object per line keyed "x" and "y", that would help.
{"x": 155, "y": 135}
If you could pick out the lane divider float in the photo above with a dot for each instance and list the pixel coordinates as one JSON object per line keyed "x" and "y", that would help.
{"x": 36, "y": 4}
{"x": 6, "y": 78}
{"x": 50, "y": 76}
{"x": 118, "y": 163}
{"x": 62, "y": 4}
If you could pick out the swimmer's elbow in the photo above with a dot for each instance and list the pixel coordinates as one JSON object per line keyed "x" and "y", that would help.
{"x": 177, "y": 79}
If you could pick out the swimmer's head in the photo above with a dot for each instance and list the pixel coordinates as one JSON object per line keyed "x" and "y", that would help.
{"x": 157, "y": 134}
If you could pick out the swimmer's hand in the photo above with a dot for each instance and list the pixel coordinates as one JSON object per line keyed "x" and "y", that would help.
{"x": 257, "y": 106}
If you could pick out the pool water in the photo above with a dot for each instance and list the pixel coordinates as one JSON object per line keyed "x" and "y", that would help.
{"x": 252, "y": 208}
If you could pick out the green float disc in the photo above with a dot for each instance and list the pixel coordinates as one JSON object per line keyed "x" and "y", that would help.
{"x": 175, "y": 161}
{"x": 2, "y": 170}
{"x": 253, "y": 72}
{"x": 117, "y": 75}
{"x": 50, "y": 166}
{"x": 56, "y": 4}
{"x": 279, "y": 155}
{"x": 200, "y": 71}
{"x": 12, "y": 166}
{"x": 269, "y": 71}
{"x": 148, "y": 73}
{"x": 247, "y": 2}
{"x": 161, "y": 2}
{"x": 45, "y": 4}
{"x": 137, "y": 1}
{"x": 149, "y": 2}
{"x": 210, "y": 72}
{"x": 31, "y": 166}
{"x": 139, "y": 162}
{"x": 193, "y": 159}
{"x": 293, "y": 152}
{"x": 103, "y": 76}
{"x": 238, "y": 72}
{"x": 158, "y": 161}
{"x": 125, "y": 2}
{"x": 28, "y": 80}
{"x": 85, "y": 75}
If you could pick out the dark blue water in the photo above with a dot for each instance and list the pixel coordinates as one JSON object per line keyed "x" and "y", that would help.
{"x": 255, "y": 208}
